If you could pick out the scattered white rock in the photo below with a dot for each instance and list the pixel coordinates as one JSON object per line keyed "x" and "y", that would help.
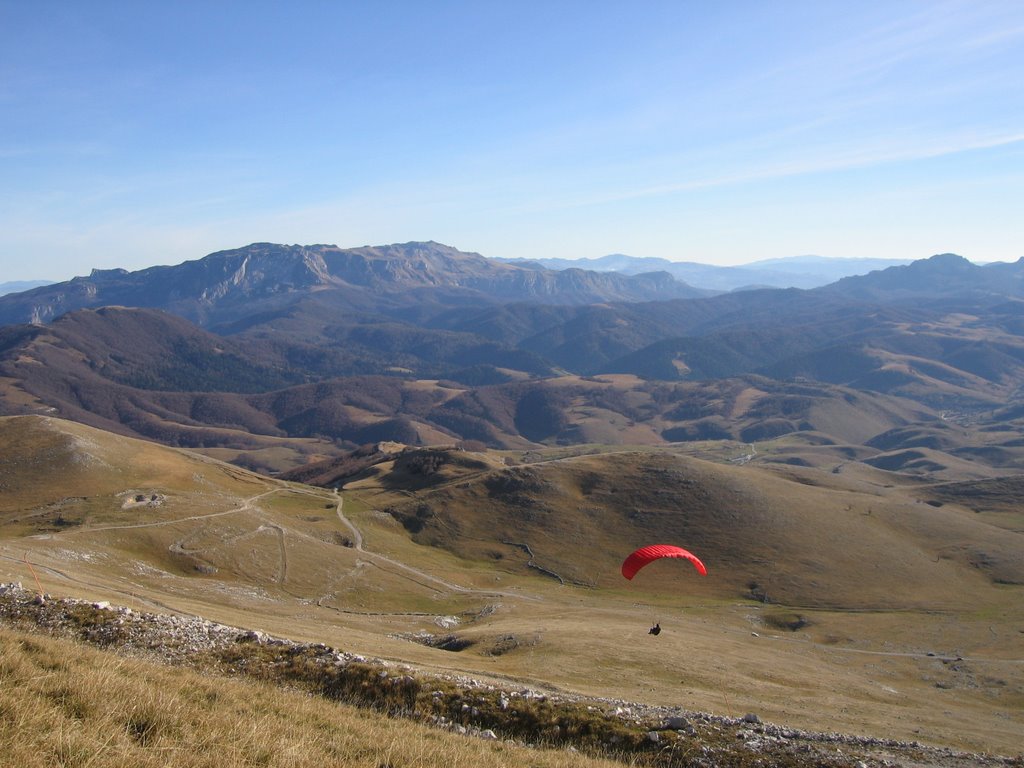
{"x": 176, "y": 639}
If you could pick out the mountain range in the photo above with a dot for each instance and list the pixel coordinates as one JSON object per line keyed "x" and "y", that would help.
{"x": 790, "y": 272}
{"x": 279, "y": 354}
{"x": 16, "y": 286}
{"x": 265, "y": 277}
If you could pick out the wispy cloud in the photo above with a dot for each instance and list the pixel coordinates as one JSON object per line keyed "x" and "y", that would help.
{"x": 620, "y": 110}
{"x": 852, "y": 159}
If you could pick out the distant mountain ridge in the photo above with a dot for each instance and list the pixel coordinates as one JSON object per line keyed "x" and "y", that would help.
{"x": 790, "y": 272}
{"x": 227, "y": 284}
{"x": 227, "y": 287}
{"x": 942, "y": 275}
{"x": 17, "y": 286}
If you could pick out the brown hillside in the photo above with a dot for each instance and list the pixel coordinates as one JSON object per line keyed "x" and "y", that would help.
{"x": 58, "y": 475}
{"x": 149, "y": 374}
{"x": 759, "y": 534}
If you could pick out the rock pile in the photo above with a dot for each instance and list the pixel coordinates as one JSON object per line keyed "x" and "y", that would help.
{"x": 172, "y": 639}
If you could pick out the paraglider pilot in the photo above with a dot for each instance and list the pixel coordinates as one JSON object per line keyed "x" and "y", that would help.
{"x": 652, "y": 552}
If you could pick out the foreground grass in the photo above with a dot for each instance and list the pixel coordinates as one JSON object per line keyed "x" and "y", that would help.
{"x": 64, "y": 704}
{"x": 239, "y": 698}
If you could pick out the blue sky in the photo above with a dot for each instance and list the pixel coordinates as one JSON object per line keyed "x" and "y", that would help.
{"x": 143, "y": 133}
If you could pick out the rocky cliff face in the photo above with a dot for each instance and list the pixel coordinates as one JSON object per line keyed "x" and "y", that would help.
{"x": 274, "y": 274}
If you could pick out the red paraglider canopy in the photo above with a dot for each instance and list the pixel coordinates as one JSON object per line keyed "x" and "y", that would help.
{"x": 648, "y": 554}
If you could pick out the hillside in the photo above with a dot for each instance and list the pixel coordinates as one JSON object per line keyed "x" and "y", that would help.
{"x": 122, "y": 711}
{"x": 461, "y": 562}
{"x": 150, "y": 374}
{"x": 576, "y": 517}
{"x": 951, "y": 355}
{"x": 308, "y": 698}
{"x": 153, "y": 375}
{"x": 58, "y": 475}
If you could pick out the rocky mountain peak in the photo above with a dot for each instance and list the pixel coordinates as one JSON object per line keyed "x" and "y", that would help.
{"x": 227, "y": 283}
{"x": 944, "y": 261}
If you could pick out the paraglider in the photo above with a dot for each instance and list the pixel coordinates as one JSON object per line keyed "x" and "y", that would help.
{"x": 649, "y": 554}
{"x": 645, "y": 555}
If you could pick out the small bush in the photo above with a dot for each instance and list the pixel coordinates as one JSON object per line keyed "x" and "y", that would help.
{"x": 788, "y": 620}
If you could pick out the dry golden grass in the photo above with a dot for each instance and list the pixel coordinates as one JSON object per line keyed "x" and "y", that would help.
{"x": 45, "y": 457}
{"x": 65, "y": 705}
{"x": 882, "y": 575}
{"x": 827, "y": 545}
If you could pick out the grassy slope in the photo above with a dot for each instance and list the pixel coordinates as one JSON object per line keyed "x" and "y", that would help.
{"x": 74, "y": 706}
{"x": 804, "y": 545}
{"x": 878, "y": 591}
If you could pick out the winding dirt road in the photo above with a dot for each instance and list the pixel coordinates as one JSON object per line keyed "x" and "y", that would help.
{"x": 357, "y": 544}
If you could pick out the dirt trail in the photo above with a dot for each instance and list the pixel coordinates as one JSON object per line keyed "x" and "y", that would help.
{"x": 245, "y": 506}
{"x": 357, "y": 536}
{"x": 357, "y": 544}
